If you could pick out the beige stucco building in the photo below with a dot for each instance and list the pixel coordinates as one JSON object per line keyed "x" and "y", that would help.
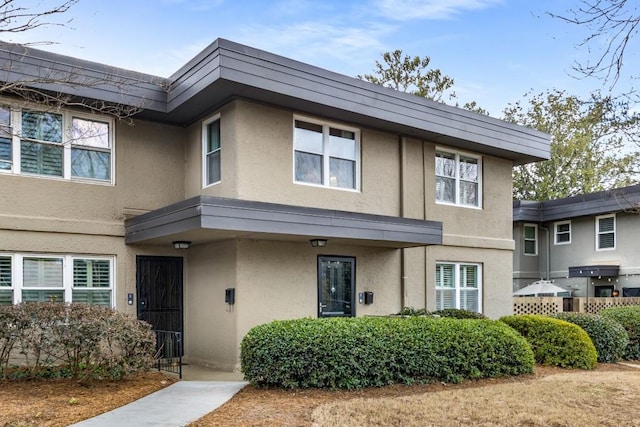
{"x": 299, "y": 193}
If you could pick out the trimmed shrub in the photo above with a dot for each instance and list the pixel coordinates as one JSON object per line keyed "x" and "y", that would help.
{"x": 629, "y": 318}
{"x": 85, "y": 342}
{"x": 554, "y": 341}
{"x": 608, "y": 336}
{"x": 352, "y": 353}
{"x": 458, "y": 313}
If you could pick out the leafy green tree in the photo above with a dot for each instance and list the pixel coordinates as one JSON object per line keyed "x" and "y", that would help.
{"x": 590, "y": 145}
{"x": 412, "y": 75}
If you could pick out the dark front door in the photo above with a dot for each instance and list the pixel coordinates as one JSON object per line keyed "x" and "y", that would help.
{"x": 336, "y": 286}
{"x": 159, "y": 289}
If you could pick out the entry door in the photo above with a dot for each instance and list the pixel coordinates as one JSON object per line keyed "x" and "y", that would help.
{"x": 159, "y": 289}
{"x": 336, "y": 286}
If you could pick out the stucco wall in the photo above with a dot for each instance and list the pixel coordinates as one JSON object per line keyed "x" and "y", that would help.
{"x": 210, "y": 323}
{"x": 257, "y": 163}
{"x": 278, "y": 280}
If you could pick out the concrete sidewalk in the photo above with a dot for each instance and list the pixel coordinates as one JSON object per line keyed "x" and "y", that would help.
{"x": 177, "y": 405}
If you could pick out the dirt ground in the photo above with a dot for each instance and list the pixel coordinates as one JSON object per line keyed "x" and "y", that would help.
{"x": 260, "y": 407}
{"x": 58, "y": 403}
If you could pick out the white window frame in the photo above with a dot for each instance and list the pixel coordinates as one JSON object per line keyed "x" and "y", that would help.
{"x": 17, "y": 274}
{"x": 598, "y": 232}
{"x": 326, "y": 125}
{"x": 457, "y": 155}
{"x": 205, "y": 153}
{"x": 457, "y": 279}
{"x": 525, "y": 239}
{"x": 67, "y": 144}
{"x": 556, "y": 232}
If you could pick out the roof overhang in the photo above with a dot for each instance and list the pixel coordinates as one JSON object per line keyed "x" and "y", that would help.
{"x": 624, "y": 199}
{"x": 594, "y": 271}
{"x": 226, "y": 70}
{"x": 205, "y": 219}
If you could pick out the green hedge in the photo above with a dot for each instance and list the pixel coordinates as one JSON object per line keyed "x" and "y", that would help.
{"x": 629, "y": 318}
{"x": 86, "y": 342}
{"x": 353, "y": 353}
{"x": 554, "y": 341}
{"x": 607, "y": 335}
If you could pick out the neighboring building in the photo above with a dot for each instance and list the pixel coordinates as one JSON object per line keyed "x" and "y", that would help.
{"x": 586, "y": 244}
{"x": 247, "y": 158}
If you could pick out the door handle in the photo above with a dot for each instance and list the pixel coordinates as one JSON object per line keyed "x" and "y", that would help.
{"x": 322, "y": 306}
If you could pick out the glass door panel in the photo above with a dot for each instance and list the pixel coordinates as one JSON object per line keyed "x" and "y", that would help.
{"x": 336, "y": 286}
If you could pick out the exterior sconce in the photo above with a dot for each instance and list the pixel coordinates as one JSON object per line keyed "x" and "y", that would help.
{"x": 318, "y": 243}
{"x": 181, "y": 244}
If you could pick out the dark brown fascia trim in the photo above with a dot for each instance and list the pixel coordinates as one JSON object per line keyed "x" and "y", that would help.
{"x": 215, "y": 213}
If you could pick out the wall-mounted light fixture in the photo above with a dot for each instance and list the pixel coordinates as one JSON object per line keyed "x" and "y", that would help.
{"x": 318, "y": 243}
{"x": 181, "y": 244}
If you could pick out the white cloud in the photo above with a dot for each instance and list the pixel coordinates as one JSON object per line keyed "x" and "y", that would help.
{"x": 320, "y": 43}
{"x": 403, "y": 10}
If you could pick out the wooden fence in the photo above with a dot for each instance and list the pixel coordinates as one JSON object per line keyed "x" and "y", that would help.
{"x": 551, "y": 305}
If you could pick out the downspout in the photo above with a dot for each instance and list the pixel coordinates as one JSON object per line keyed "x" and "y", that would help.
{"x": 548, "y": 251}
{"x": 403, "y": 276}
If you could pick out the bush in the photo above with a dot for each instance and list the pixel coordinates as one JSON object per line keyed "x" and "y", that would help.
{"x": 554, "y": 341}
{"x": 458, "y": 313}
{"x": 353, "y": 353}
{"x": 629, "y": 318}
{"x": 608, "y": 336}
{"x": 80, "y": 341}
{"x": 410, "y": 311}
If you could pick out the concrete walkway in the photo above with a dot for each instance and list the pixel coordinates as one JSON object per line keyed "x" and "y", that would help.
{"x": 177, "y": 405}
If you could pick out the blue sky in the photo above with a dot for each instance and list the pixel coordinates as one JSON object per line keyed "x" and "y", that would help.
{"x": 496, "y": 50}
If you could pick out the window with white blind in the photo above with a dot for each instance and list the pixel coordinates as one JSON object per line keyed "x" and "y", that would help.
{"x": 6, "y": 140}
{"x": 562, "y": 232}
{"x": 326, "y": 154}
{"x": 6, "y": 282}
{"x": 64, "y": 145}
{"x": 56, "y": 278}
{"x": 459, "y": 285}
{"x": 458, "y": 178}
{"x": 606, "y": 232}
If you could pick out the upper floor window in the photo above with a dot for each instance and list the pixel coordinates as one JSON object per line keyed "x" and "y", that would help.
{"x": 562, "y": 232}
{"x": 211, "y": 151}
{"x": 606, "y": 232}
{"x": 57, "y": 278}
{"x": 326, "y": 154}
{"x": 459, "y": 285}
{"x": 530, "y": 233}
{"x": 458, "y": 178}
{"x": 64, "y": 145}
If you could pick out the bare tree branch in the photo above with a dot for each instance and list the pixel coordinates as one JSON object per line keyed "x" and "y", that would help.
{"x": 612, "y": 24}
{"x": 18, "y": 19}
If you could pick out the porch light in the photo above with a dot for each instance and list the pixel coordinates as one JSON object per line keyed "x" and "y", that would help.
{"x": 318, "y": 243}
{"x": 181, "y": 244}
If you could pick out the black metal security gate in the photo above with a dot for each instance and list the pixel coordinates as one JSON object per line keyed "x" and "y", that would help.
{"x": 159, "y": 296}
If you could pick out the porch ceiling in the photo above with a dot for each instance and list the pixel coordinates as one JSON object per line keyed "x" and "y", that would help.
{"x": 205, "y": 219}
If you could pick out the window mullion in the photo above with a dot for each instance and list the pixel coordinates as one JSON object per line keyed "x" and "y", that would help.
{"x": 456, "y": 283}
{"x": 457, "y": 175}
{"x": 66, "y": 146}
{"x": 67, "y": 278}
{"x": 17, "y": 279}
{"x": 325, "y": 155}
{"x": 16, "y": 131}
